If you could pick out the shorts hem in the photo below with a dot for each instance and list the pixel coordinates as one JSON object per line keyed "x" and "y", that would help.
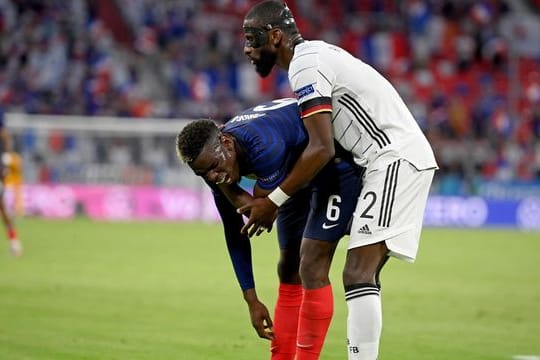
{"x": 388, "y": 238}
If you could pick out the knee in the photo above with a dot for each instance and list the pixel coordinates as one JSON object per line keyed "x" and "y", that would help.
{"x": 288, "y": 270}
{"x": 356, "y": 272}
{"x": 315, "y": 260}
{"x": 314, "y": 271}
{"x": 307, "y": 272}
{"x": 364, "y": 263}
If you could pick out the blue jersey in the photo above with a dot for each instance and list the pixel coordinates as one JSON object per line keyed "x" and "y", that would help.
{"x": 272, "y": 136}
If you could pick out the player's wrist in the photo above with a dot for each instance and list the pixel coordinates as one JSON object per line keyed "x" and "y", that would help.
{"x": 250, "y": 296}
{"x": 278, "y": 196}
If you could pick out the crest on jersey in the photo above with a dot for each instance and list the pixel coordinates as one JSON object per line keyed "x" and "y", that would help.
{"x": 272, "y": 177}
{"x": 304, "y": 91}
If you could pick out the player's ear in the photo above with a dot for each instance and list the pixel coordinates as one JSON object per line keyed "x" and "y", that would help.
{"x": 227, "y": 141}
{"x": 276, "y": 36}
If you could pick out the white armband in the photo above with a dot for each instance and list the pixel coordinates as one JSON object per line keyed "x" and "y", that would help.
{"x": 278, "y": 196}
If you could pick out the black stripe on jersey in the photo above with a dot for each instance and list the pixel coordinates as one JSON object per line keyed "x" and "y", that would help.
{"x": 324, "y": 77}
{"x": 393, "y": 196}
{"x": 370, "y": 145}
{"x": 389, "y": 193}
{"x": 359, "y": 118}
{"x": 365, "y": 120}
{"x": 315, "y": 102}
{"x": 336, "y": 115}
{"x": 379, "y": 131}
{"x": 345, "y": 131}
{"x": 348, "y": 126}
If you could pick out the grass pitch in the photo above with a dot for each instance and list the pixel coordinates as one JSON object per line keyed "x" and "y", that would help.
{"x": 87, "y": 290}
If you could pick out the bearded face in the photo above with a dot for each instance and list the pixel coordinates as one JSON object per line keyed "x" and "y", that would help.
{"x": 258, "y": 48}
{"x": 265, "y": 63}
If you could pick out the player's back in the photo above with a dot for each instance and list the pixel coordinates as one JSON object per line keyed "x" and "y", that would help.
{"x": 272, "y": 136}
{"x": 369, "y": 117}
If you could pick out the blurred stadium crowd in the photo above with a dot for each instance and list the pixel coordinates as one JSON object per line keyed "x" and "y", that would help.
{"x": 469, "y": 70}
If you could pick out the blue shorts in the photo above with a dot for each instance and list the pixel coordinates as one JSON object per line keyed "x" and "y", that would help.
{"x": 322, "y": 211}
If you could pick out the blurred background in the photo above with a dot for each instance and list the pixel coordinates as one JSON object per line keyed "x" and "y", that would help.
{"x": 94, "y": 92}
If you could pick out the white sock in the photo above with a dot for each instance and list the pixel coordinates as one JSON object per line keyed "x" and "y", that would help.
{"x": 364, "y": 321}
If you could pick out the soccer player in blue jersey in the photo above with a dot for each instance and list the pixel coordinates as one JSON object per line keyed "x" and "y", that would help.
{"x": 264, "y": 142}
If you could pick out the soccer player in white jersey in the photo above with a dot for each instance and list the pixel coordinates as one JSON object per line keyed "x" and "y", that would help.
{"x": 346, "y": 101}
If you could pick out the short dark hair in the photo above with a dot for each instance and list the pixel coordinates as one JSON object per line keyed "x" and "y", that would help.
{"x": 193, "y": 137}
{"x": 273, "y": 14}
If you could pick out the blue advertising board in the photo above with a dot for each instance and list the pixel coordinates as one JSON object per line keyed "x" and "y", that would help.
{"x": 477, "y": 212}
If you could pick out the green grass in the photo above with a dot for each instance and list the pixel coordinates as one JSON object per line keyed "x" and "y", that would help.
{"x": 87, "y": 290}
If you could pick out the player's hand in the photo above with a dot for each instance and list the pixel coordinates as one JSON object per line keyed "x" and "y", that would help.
{"x": 262, "y": 213}
{"x": 261, "y": 321}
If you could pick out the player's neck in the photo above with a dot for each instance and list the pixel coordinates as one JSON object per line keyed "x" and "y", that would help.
{"x": 289, "y": 51}
{"x": 295, "y": 40}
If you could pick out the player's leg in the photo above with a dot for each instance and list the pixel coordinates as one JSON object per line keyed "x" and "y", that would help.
{"x": 290, "y": 226}
{"x": 287, "y": 309}
{"x": 387, "y": 221}
{"x": 333, "y": 203}
{"x": 318, "y": 305}
{"x": 15, "y": 245}
{"x": 362, "y": 294}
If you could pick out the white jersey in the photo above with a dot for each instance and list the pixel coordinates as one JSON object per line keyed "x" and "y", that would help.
{"x": 369, "y": 118}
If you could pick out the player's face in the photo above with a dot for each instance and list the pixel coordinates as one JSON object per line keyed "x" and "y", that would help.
{"x": 258, "y": 48}
{"x": 265, "y": 61}
{"x": 217, "y": 162}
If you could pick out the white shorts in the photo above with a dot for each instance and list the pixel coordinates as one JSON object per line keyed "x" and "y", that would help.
{"x": 391, "y": 209}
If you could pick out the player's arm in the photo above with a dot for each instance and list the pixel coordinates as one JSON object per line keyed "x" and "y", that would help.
{"x": 319, "y": 151}
{"x": 6, "y": 156}
{"x": 236, "y": 196}
{"x": 5, "y": 140}
{"x": 239, "y": 248}
{"x": 260, "y": 192}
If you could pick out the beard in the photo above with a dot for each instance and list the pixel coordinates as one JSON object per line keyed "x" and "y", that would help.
{"x": 265, "y": 63}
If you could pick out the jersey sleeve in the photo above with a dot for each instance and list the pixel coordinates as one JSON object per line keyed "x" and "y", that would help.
{"x": 312, "y": 82}
{"x": 238, "y": 245}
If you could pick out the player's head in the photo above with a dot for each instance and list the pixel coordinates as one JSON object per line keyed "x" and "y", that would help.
{"x": 268, "y": 27}
{"x": 210, "y": 153}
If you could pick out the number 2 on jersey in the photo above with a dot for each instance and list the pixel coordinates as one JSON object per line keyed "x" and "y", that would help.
{"x": 373, "y": 197}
